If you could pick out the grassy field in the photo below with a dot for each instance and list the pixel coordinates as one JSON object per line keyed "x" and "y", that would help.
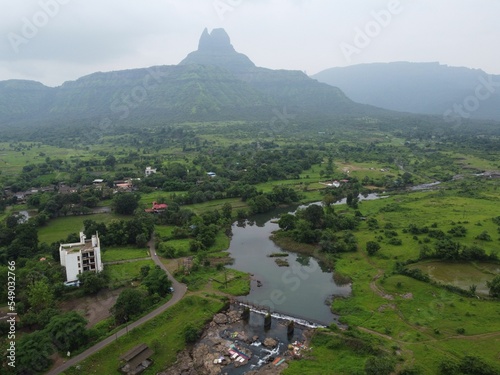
{"x": 200, "y": 208}
{"x": 329, "y": 355}
{"x": 113, "y": 254}
{"x": 147, "y": 199}
{"x": 238, "y": 283}
{"x": 426, "y": 322}
{"x": 164, "y": 230}
{"x": 164, "y": 335}
{"x": 60, "y": 228}
{"x": 124, "y": 273}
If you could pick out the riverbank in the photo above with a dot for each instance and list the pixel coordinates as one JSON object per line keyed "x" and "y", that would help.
{"x": 233, "y": 345}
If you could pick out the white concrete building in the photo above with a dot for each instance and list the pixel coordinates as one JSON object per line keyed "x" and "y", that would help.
{"x": 81, "y": 256}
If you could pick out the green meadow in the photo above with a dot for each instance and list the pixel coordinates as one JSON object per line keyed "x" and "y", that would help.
{"x": 113, "y": 254}
{"x": 59, "y": 228}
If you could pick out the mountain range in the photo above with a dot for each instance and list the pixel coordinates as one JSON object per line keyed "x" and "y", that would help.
{"x": 424, "y": 88}
{"x": 212, "y": 83}
{"x": 216, "y": 83}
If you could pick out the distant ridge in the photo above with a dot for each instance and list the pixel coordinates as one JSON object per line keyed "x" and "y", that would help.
{"x": 424, "y": 88}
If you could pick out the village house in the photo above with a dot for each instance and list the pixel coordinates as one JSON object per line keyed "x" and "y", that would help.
{"x": 157, "y": 207}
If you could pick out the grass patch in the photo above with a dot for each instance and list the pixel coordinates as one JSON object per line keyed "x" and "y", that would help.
{"x": 216, "y": 204}
{"x": 278, "y": 255}
{"x": 59, "y": 228}
{"x": 113, "y": 254}
{"x": 282, "y": 262}
{"x": 124, "y": 273}
{"x": 238, "y": 283}
{"x": 164, "y": 231}
{"x": 331, "y": 354}
{"x": 221, "y": 242}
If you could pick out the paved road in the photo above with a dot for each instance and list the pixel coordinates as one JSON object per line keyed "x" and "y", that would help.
{"x": 179, "y": 291}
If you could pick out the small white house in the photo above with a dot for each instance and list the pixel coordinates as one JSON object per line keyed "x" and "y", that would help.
{"x": 81, "y": 256}
{"x": 149, "y": 171}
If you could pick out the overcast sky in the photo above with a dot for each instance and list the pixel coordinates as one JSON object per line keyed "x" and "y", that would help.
{"x": 53, "y": 41}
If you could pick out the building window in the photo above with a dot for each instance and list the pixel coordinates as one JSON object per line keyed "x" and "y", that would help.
{"x": 79, "y": 265}
{"x": 78, "y": 258}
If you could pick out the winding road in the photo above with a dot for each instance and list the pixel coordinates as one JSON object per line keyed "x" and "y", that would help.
{"x": 179, "y": 292}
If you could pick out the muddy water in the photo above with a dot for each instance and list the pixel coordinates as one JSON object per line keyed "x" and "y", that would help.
{"x": 302, "y": 290}
{"x": 461, "y": 275}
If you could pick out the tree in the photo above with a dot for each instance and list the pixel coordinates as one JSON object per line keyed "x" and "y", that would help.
{"x": 40, "y": 295}
{"x": 227, "y": 210}
{"x": 92, "y": 282}
{"x": 191, "y": 334}
{"x": 157, "y": 281}
{"x": 68, "y": 331}
{"x": 372, "y": 247}
{"x": 314, "y": 214}
{"x": 110, "y": 161}
{"x": 483, "y": 236}
{"x": 141, "y": 240}
{"x": 287, "y": 222}
{"x": 130, "y": 303}
{"x": 352, "y": 200}
{"x": 33, "y": 353}
{"x": 494, "y": 286}
{"x": 145, "y": 271}
{"x": 125, "y": 203}
{"x": 260, "y": 204}
{"x": 329, "y": 200}
{"x": 379, "y": 366}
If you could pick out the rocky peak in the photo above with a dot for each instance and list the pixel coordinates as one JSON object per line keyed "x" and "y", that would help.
{"x": 215, "y": 49}
{"x": 217, "y": 41}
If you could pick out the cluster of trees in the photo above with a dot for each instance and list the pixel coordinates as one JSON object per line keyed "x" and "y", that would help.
{"x": 202, "y": 230}
{"x": 64, "y": 332}
{"x": 447, "y": 249}
{"x": 136, "y": 231}
{"x": 468, "y": 365}
{"x": 132, "y": 302}
{"x": 18, "y": 238}
{"x": 316, "y": 224}
{"x": 52, "y": 204}
{"x": 265, "y": 202}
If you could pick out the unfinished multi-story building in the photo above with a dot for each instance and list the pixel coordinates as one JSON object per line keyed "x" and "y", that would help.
{"x": 81, "y": 256}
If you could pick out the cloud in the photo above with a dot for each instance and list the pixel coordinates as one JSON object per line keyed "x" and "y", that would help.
{"x": 84, "y": 36}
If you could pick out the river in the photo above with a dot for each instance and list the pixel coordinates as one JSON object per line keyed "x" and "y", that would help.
{"x": 302, "y": 290}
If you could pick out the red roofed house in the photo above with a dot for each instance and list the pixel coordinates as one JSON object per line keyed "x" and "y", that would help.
{"x": 157, "y": 207}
